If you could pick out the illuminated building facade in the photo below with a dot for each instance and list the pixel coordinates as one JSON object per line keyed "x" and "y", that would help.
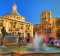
{"x": 49, "y": 26}
{"x": 14, "y": 23}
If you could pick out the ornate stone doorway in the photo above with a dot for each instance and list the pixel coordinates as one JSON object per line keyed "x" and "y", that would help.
{"x": 58, "y": 33}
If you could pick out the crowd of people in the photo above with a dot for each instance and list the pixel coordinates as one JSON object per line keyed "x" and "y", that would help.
{"x": 25, "y": 40}
{"x": 52, "y": 40}
{"x": 29, "y": 39}
{"x": 49, "y": 40}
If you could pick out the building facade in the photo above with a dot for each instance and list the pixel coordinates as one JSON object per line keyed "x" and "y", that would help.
{"x": 49, "y": 26}
{"x": 14, "y": 23}
{"x": 37, "y": 27}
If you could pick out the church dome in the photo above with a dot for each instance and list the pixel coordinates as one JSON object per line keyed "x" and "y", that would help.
{"x": 14, "y": 13}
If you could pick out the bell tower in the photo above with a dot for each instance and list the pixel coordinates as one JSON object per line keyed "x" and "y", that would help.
{"x": 46, "y": 17}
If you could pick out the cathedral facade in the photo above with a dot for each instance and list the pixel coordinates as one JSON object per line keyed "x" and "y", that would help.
{"x": 14, "y": 23}
{"x": 49, "y": 26}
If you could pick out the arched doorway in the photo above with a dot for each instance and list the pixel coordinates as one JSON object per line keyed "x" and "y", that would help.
{"x": 58, "y": 33}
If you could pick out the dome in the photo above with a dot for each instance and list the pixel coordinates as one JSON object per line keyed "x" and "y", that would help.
{"x": 14, "y": 13}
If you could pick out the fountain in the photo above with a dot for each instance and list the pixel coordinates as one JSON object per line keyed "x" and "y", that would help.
{"x": 36, "y": 48}
{"x": 39, "y": 48}
{"x": 38, "y": 42}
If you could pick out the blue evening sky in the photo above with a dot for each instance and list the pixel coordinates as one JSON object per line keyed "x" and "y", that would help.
{"x": 31, "y": 9}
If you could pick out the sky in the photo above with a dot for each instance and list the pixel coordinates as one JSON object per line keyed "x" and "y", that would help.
{"x": 31, "y": 9}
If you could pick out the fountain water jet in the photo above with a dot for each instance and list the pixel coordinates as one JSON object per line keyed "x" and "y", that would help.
{"x": 38, "y": 42}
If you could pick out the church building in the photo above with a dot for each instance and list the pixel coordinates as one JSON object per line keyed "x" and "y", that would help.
{"x": 14, "y": 23}
{"x": 48, "y": 26}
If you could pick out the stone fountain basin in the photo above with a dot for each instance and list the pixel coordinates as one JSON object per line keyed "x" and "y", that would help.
{"x": 26, "y": 53}
{"x": 42, "y": 54}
